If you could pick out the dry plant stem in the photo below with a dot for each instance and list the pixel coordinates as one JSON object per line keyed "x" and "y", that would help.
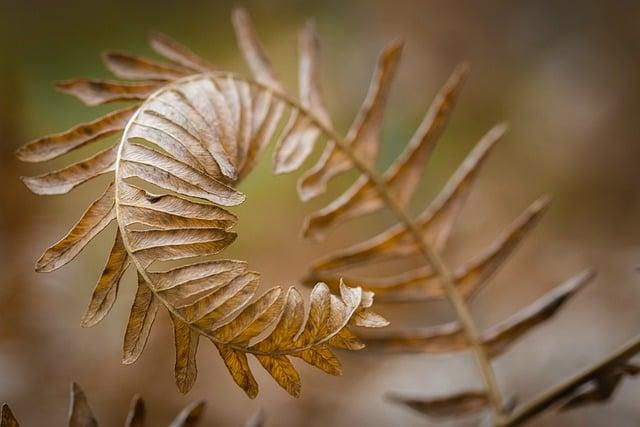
{"x": 564, "y": 389}
{"x": 434, "y": 260}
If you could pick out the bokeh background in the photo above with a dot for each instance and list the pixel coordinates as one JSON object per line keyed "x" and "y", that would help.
{"x": 563, "y": 74}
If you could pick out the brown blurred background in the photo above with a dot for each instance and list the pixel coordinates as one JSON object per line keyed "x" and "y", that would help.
{"x": 563, "y": 74}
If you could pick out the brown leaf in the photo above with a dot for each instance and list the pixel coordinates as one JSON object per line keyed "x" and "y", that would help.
{"x": 170, "y": 174}
{"x": 64, "y": 180}
{"x": 80, "y": 414}
{"x": 143, "y": 313}
{"x": 254, "y": 318}
{"x": 319, "y": 312}
{"x": 456, "y": 405}
{"x": 403, "y": 175}
{"x": 253, "y": 53}
{"x": 177, "y": 53}
{"x": 322, "y": 358}
{"x": 236, "y": 363}
{"x": 422, "y": 284}
{"x": 498, "y": 338}
{"x": 364, "y": 134}
{"x": 435, "y": 222}
{"x": 209, "y": 311}
{"x": 207, "y": 98}
{"x": 295, "y": 144}
{"x": 182, "y": 117}
{"x": 282, "y": 370}
{"x": 137, "y": 414}
{"x": 153, "y": 245}
{"x": 347, "y": 340}
{"x": 98, "y": 216}
{"x": 133, "y": 67}
{"x": 189, "y": 416}
{"x": 53, "y": 146}
{"x": 266, "y": 115}
{"x": 289, "y": 325}
{"x": 308, "y": 72}
{"x": 165, "y": 211}
{"x": 94, "y": 92}
{"x": 106, "y": 290}
{"x": 450, "y": 337}
{"x": 184, "y": 282}
{"x": 7, "y": 419}
{"x": 186, "y": 343}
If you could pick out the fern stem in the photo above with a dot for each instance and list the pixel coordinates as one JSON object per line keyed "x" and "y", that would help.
{"x": 440, "y": 268}
{"x": 564, "y": 389}
{"x": 433, "y": 259}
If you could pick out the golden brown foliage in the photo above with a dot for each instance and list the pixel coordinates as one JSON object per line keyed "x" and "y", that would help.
{"x": 181, "y": 155}
{"x": 183, "y": 150}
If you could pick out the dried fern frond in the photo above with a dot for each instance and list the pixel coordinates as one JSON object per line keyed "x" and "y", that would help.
{"x": 81, "y": 415}
{"x": 426, "y": 236}
{"x": 192, "y": 136}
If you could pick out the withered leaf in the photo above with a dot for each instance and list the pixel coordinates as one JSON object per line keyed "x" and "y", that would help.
{"x": 66, "y": 179}
{"x": 143, "y": 313}
{"x": 403, "y": 175}
{"x": 281, "y": 369}
{"x": 96, "y": 92}
{"x": 177, "y": 52}
{"x": 295, "y": 144}
{"x": 450, "y": 337}
{"x": 266, "y": 114}
{"x": 80, "y": 414}
{"x": 498, "y": 338}
{"x": 456, "y": 405}
{"x": 364, "y": 134}
{"x": 236, "y": 363}
{"x": 134, "y": 67}
{"x": 253, "y": 53}
{"x": 422, "y": 284}
{"x": 186, "y": 343}
{"x": 53, "y": 146}
{"x": 309, "y": 74}
{"x": 165, "y": 211}
{"x": 170, "y": 174}
{"x": 98, "y": 216}
{"x": 435, "y": 222}
{"x": 254, "y": 318}
{"x": 322, "y": 358}
{"x": 106, "y": 290}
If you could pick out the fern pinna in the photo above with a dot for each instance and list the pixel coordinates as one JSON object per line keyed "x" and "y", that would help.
{"x": 193, "y": 135}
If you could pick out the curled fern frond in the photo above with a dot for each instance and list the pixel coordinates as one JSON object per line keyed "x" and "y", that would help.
{"x": 192, "y": 136}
